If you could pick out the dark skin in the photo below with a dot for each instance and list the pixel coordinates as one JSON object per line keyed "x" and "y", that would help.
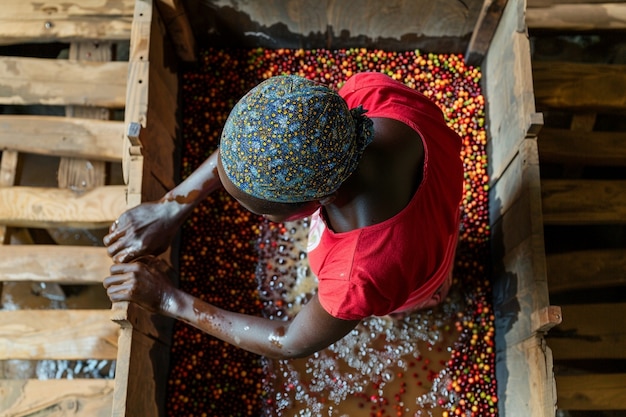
{"x": 383, "y": 184}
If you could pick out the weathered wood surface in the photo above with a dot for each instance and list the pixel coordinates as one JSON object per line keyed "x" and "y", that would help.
{"x": 151, "y": 115}
{"x": 141, "y": 376}
{"x": 8, "y": 168}
{"x": 520, "y": 290}
{"x": 585, "y": 269}
{"x": 577, "y": 16}
{"x": 80, "y": 173}
{"x": 590, "y": 331}
{"x": 522, "y": 372}
{"x": 579, "y": 202}
{"x": 483, "y": 32}
{"x": 54, "y": 263}
{"x": 56, "y": 398}
{"x": 53, "y": 207}
{"x": 580, "y": 147}
{"x": 60, "y": 20}
{"x": 508, "y": 85}
{"x": 174, "y": 14}
{"x": 56, "y": 136}
{"x": 592, "y": 392}
{"x": 580, "y": 86}
{"x": 443, "y": 26}
{"x": 62, "y": 82}
{"x": 57, "y": 334}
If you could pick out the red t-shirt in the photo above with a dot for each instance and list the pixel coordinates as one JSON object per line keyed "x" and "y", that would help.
{"x": 390, "y": 266}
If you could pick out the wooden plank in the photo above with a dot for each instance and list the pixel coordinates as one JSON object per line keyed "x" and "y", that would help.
{"x": 59, "y": 20}
{"x": 585, "y": 148}
{"x": 508, "y": 85}
{"x": 140, "y": 377}
{"x": 174, "y": 15}
{"x": 484, "y": 30}
{"x": 54, "y": 263}
{"x": 580, "y": 86}
{"x": 57, "y": 136}
{"x": 578, "y": 202}
{"x": 62, "y": 82}
{"x": 589, "y": 331}
{"x": 592, "y": 392}
{"x": 398, "y": 24}
{"x": 586, "y": 269}
{"x": 524, "y": 376}
{"x": 520, "y": 295}
{"x": 57, "y": 334}
{"x": 578, "y": 17}
{"x": 56, "y": 398}
{"x": 53, "y": 207}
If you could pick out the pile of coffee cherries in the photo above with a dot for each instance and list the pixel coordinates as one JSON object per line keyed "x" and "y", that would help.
{"x": 438, "y": 362}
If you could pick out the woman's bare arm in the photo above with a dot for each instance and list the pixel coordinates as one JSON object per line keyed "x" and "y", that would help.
{"x": 310, "y": 331}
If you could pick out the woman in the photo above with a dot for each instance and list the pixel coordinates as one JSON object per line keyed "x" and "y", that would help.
{"x": 383, "y": 192}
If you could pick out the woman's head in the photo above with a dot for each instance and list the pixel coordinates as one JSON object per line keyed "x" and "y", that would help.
{"x": 291, "y": 140}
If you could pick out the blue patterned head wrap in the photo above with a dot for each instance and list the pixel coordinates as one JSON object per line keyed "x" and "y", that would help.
{"x": 291, "y": 140}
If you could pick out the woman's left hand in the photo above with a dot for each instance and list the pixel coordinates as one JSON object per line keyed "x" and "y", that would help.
{"x": 145, "y": 282}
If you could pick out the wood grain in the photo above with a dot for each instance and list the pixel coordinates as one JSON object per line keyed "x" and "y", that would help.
{"x": 53, "y": 207}
{"x": 56, "y": 398}
{"x": 57, "y": 334}
{"x": 54, "y": 263}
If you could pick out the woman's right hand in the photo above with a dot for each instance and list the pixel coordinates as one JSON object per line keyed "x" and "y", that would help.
{"x": 146, "y": 229}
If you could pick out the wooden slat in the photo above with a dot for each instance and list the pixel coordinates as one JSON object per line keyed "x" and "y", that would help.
{"x": 60, "y": 20}
{"x": 586, "y": 269}
{"x": 53, "y": 207}
{"x": 578, "y": 202}
{"x": 484, "y": 30}
{"x": 592, "y": 392}
{"x": 578, "y": 17}
{"x": 509, "y": 87}
{"x": 54, "y": 263}
{"x": 580, "y": 86}
{"x": 586, "y": 148}
{"x": 175, "y": 17}
{"x": 58, "y": 334}
{"x": 62, "y": 82}
{"x": 589, "y": 331}
{"x": 57, "y": 136}
{"x": 56, "y": 398}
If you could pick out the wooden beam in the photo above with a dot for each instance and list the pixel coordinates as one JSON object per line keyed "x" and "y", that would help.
{"x": 580, "y": 86}
{"x": 577, "y": 17}
{"x": 57, "y": 136}
{"x": 62, "y": 82}
{"x": 589, "y": 331}
{"x": 57, "y": 397}
{"x": 53, "y": 207}
{"x": 59, "y": 20}
{"x": 54, "y": 263}
{"x": 175, "y": 18}
{"x": 586, "y": 269}
{"x": 483, "y": 32}
{"x": 585, "y": 148}
{"x": 58, "y": 334}
{"x": 592, "y": 392}
{"x": 579, "y": 202}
